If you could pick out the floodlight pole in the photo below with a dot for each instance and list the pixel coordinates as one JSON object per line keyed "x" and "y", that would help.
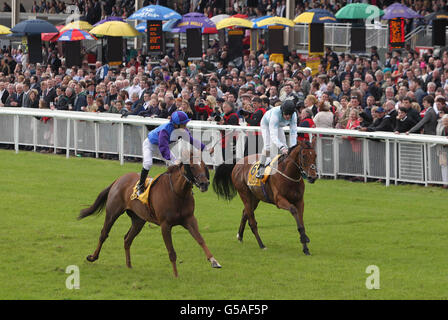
{"x": 15, "y": 8}
{"x": 290, "y": 6}
{"x": 137, "y": 40}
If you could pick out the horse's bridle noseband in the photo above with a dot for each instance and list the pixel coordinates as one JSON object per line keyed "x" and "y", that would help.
{"x": 302, "y": 172}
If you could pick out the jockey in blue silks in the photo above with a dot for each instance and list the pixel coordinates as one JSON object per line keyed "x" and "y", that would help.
{"x": 158, "y": 144}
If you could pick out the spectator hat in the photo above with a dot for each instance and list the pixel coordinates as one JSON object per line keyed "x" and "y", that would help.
{"x": 380, "y": 109}
{"x": 357, "y": 79}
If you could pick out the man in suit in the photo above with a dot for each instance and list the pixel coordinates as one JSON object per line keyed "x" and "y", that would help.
{"x": 34, "y": 84}
{"x": 429, "y": 121}
{"x": 11, "y": 101}
{"x": 49, "y": 94}
{"x": 25, "y": 98}
{"x": 81, "y": 98}
{"x": 4, "y": 94}
{"x": 20, "y": 94}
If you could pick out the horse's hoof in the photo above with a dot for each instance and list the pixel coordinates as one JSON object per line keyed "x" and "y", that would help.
{"x": 264, "y": 248}
{"x": 306, "y": 252}
{"x": 91, "y": 258}
{"x": 240, "y": 239}
{"x": 215, "y": 263}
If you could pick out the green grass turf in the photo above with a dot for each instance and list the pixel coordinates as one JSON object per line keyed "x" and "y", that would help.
{"x": 401, "y": 229}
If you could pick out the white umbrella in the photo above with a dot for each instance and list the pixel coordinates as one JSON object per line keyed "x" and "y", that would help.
{"x": 219, "y": 17}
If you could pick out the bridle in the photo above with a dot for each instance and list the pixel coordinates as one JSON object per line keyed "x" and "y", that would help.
{"x": 189, "y": 177}
{"x": 303, "y": 174}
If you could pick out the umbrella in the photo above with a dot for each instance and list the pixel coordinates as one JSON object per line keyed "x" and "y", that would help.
{"x": 34, "y": 26}
{"x": 234, "y": 22}
{"x": 439, "y": 15}
{"x": 51, "y": 36}
{"x": 192, "y": 20}
{"x": 239, "y": 15}
{"x": 219, "y": 17}
{"x": 141, "y": 27}
{"x": 155, "y": 12}
{"x": 78, "y": 24}
{"x": 256, "y": 20}
{"x": 359, "y": 11}
{"x": 75, "y": 35}
{"x": 279, "y": 21}
{"x": 398, "y": 10}
{"x": 115, "y": 29}
{"x": 109, "y": 19}
{"x": 170, "y": 26}
{"x": 315, "y": 16}
{"x": 5, "y": 30}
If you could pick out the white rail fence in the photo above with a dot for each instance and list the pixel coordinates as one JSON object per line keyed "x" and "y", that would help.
{"x": 378, "y": 155}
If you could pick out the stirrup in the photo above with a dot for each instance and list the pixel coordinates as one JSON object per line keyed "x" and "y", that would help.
{"x": 260, "y": 172}
{"x": 140, "y": 190}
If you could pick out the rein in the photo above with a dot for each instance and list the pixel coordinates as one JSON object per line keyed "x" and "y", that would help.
{"x": 299, "y": 168}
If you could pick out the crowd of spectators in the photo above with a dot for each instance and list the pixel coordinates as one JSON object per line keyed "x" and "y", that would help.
{"x": 403, "y": 92}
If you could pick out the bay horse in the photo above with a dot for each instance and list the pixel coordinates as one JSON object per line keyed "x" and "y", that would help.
{"x": 170, "y": 202}
{"x": 284, "y": 188}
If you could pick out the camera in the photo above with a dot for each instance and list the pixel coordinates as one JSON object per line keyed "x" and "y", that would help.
{"x": 217, "y": 118}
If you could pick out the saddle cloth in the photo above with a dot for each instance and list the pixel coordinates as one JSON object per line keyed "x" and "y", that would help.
{"x": 145, "y": 195}
{"x": 252, "y": 179}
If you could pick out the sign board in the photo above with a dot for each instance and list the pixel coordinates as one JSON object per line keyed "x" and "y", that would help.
{"x": 155, "y": 37}
{"x": 316, "y": 38}
{"x": 396, "y": 33}
{"x": 276, "y": 39}
{"x": 422, "y": 50}
{"x": 194, "y": 45}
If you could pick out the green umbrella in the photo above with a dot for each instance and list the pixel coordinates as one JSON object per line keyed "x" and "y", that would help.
{"x": 359, "y": 11}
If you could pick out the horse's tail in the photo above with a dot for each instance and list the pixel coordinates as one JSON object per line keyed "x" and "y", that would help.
{"x": 222, "y": 182}
{"x": 98, "y": 205}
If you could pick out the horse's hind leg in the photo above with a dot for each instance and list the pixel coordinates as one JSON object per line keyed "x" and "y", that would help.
{"x": 136, "y": 227}
{"x": 192, "y": 226}
{"x": 111, "y": 217}
{"x": 250, "y": 204}
{"x": 240, "y": 233}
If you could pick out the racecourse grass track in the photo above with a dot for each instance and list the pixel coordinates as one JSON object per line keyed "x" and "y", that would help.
{"x": 401, "y": 229}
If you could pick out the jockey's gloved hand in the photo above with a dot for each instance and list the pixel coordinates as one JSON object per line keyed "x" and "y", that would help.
{"x": 284, "y": 150}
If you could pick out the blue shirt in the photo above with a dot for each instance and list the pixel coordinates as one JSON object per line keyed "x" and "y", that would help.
{"x": 162, "y": 135}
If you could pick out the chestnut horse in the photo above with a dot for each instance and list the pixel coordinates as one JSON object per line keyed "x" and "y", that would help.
{"x": 170, "y": 201}
{"x": 284, "y": 188}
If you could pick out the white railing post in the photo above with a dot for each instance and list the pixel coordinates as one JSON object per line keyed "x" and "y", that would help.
{"x": 121, "y": 143}
{"x": 387, "y": 163}
{"x": 55, "y": 134}
{"x": 16, "y": 133}
{"x": 67, "y": 145}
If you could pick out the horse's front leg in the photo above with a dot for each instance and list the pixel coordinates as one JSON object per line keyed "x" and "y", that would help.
{"x": 297, "y": 213}
{"x": 192, "y": 226}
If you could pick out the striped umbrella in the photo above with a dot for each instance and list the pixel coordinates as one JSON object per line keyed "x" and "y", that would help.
{"x": 78, "y": 24}
{"x": 315, "y": 16}
{"x": 75, "y": 35}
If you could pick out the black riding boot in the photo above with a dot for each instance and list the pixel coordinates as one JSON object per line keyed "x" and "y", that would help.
{"x": 141, "y": 184}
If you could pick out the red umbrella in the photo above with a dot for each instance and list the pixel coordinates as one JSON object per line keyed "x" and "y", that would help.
{"x": 52, "y": 37}
{"x": 209, "y": 30}
{"x": 239, "y": 15}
